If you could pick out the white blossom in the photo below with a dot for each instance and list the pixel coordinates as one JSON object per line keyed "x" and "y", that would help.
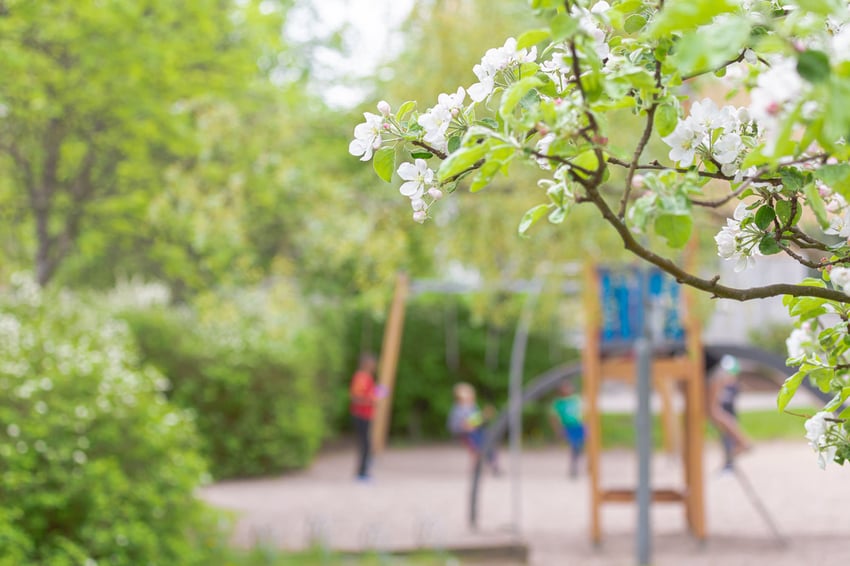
{"x": 495, "y": 60}
{"x": 800, "y": 342}
{"x": 840, "y": 277}
{"x": 436, "y": 122}
{"x": 416, "y": 176}
{"x": 727, "y": 149}
{"x": 453, "y": 102}
{"x": 683, "y": 143}
{"x": 817, "y": 431}
{"x": 367, "y": 136}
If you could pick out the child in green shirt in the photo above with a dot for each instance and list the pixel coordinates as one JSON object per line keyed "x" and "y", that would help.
{"x": 565, "y": 416}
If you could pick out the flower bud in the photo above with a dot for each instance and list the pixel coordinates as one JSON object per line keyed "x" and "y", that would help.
{"x": 435, "y": 193}
{"x": 384, "y": 108}
{"x": 420, "y": 216}
{"x": 418, "y": 204}
{"x": 832, "y": 161}
{"x": 386, "y": 126}
{"x": 773, "y": 108}
{"x": 455, "y": 111}
{"x": 638, "y": 181}
{"x": 542, "y": 129}
{"x": 750, "y": 56}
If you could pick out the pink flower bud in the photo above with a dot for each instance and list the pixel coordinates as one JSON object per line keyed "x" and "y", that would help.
{"x": 384, "y": 108}
{"x": 824, "y": 191}
{"x": 558, "y": 101}
{"x": 420, "y": 216}
{"x": 418, "y": 204}
{"x": 799, "y": 46}
{"x": 386, "y": 126}
{"x": 832, "y": 161}
{"x": 455, "y": 111}
{"x": 638, "y": 181}
{"x": 773, "y": 108}
{"x": 435, "y": 193}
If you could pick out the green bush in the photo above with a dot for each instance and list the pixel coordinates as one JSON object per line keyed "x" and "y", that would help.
{"x": 423, "y": 392}
{"x": 253, "y": 368}
{"x": 96, "y": 465}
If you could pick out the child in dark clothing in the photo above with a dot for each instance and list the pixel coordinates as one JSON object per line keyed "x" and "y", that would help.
{"x": 467, "y": 423}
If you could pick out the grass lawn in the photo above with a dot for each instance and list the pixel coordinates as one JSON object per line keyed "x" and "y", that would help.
{"x": 618, "y": 429}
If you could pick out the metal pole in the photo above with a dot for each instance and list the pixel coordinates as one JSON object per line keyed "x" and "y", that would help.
{"x": 644, "y": 448}
{"x": 643, "y": 422}
{"x": 515, "y": 394}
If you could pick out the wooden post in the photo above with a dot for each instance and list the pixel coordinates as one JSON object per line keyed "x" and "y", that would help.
{"x": 390, "y": 350}
{"x": 591, "y": 373}
{"x": 695, "y": 421}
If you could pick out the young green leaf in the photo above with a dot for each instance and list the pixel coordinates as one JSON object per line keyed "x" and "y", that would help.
{"x": 813, "y": 65}
{"x": 768, "y": 245}
{"x": 666, "y": 118}
{"x": 764, "y": 216}
{"x": 786, "y": 392}
{"x": 531, "y": 217}
{"x": 675, "y": 228}
{"x": 532, "y": 37}
{"x": 384, "y": 163}
{"x": 563, "y": 27}
{"x": 515, "y": 93}
{"x": 461, "y": 160}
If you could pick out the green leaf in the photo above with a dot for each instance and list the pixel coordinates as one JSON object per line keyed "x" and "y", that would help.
{"x": 453, "y": 144}
{"x": 789, "y": 387}
{"x": 557, "y": 216}
{"x": 675, "y": 228}
{"x": 531, "y": 217}
{"x": 837, "y": 177}
{"x": 792, "y": 178}
{"x": 515, "y": 93}
{"x": 563, "y": 27}
{"x": 634, "y": 23}
{"x": 685, "y": 15}
{"x": 768, "y": 245}
{"x": 816, "y": 204}
{"x": 666, "y": 119}
{"x": 813, "y": 65}
{"x": 532, "y": 37}
{"x": 421, "y": 155}
{"x": 712, "y": 45}
{"x": 461, "y": 160}
{"x": 783, "y": 211}
{"x": 764, "y": 216}
{"x": 489, "y": 122}
{"x": 384, "y": 163}
{"x": 484, "y": 176}
{"x": 405, "y": 109}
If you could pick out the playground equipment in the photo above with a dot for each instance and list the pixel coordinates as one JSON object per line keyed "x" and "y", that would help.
{"x": 620, "y": 306}
{"x": 545, "y": 384}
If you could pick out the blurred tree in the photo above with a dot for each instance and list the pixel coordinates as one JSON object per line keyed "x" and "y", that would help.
{"x": 99, "y": 98}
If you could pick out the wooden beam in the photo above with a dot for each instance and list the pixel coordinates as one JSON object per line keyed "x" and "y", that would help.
{"x": 390, "y": 350}
{"x": 628, "y": 495}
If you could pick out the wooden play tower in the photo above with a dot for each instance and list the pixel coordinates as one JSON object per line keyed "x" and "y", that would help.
{"x": 615, "y": 303}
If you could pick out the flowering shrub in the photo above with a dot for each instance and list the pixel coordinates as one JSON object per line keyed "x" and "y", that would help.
{"x": 253, "y": 370}
{"x": 95, "y": 465}
{"x": 547, "y": 98}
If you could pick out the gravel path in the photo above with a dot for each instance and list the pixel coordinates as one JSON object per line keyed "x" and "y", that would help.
{"x": 419, "y": 499}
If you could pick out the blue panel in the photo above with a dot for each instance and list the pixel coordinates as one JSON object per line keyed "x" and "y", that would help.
{"x": 623, "y": 309}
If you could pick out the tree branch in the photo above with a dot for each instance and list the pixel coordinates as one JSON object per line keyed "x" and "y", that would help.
{"x": 644, "y": 139}
{"x": 709, "y": 285}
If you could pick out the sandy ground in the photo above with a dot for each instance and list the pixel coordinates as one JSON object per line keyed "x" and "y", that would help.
{"x": 419, "y": 499}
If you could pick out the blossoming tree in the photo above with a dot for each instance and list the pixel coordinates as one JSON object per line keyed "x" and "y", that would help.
{"x": 547, "y": 97}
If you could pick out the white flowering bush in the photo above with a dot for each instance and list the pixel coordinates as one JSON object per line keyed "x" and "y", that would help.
{"x": 551, "y": 96}
{"x": 96, "y": 467}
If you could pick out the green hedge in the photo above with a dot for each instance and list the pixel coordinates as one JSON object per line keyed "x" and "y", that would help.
{"x": 423, "y": 393}
{"x": 95, "y": 465}
{"x": 254, "y": 377}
